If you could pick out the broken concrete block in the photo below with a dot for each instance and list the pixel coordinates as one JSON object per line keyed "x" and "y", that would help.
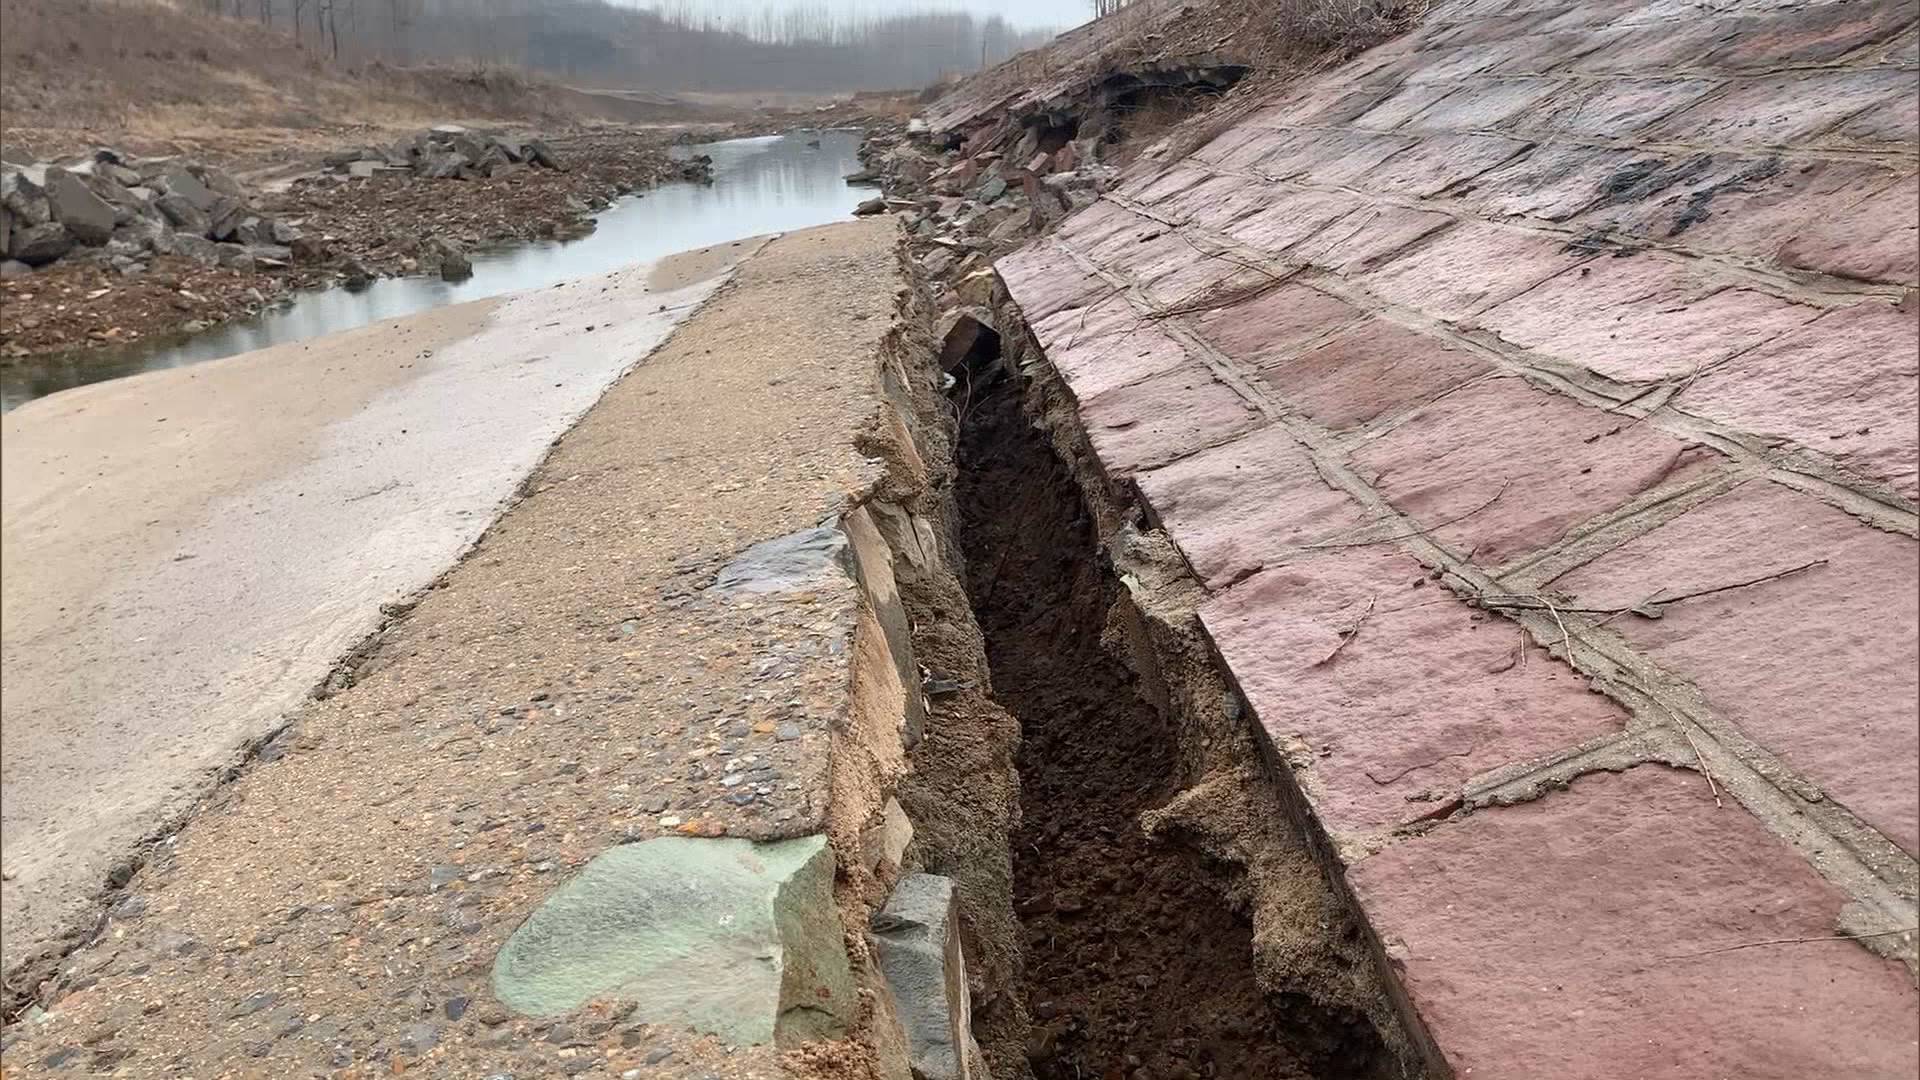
{"x": 726, "y": 936}
{"x": 539, "y": 153}
{"x": 24, "y": 193}
{"x": 967, "y": 336}
{"x": 39, "y": 244}
{"x": 178, "y": 181}
{"x": 88, "y": 217}
{"x": 873, "y": 568}
{"x": 917, "y": 942}
{"x": 183, "y": 214}
{"x": 219, "y": 182}
{"x": 976, "y": 289}
{"x": 196, "y": 247}
{"x": 884, "y": 843}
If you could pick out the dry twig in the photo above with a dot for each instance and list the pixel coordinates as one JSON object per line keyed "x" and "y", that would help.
{"x": 1349, "y": 635}
{"x": 1700, "y": 760}
{"x": 1790, "y": 941}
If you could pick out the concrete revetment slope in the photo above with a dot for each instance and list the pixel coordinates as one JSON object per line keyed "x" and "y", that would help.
{"x": 1535, "y": 397}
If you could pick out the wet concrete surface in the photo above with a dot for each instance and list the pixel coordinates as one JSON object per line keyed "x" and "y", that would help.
{"x": 188, "y": 552}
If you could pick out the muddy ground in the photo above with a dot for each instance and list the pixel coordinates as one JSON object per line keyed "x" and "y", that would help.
{"x": 1138, "y": 962}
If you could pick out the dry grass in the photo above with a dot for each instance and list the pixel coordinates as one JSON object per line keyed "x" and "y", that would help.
{"x": 155, "y": 77}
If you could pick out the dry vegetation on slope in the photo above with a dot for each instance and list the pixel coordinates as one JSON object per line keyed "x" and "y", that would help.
{"x": 153, "y": 77}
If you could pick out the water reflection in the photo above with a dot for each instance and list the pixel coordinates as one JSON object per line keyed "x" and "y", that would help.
{"x": 771, "y": 184}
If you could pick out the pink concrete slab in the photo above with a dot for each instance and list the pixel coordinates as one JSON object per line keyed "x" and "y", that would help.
{"x": 1117, "y": 347}
{"x": 1272, "y": 324}
{"x": 1890, "y": 124}
{"x": 1409, "y": 100}
{"x": 1448, "y": 65}
{"x": 1371, "y": 370}
{"x": 1367, "y": 238}
{"x": 1044, "y": 280}
{"x": 1773, "y": 201}
{"x": 1219, "y": 202}
{"x": 1554, "y": 181}
{"x": 1241, "y": 146}
{"x": 1478, "y": 108}
{"x": 1116, "y": 245}
{"x": 1502, "y": 27}
{"x": 1163, "y": 417}
{"x": 1233, "y": 509}
{"x": 1439, "y": 162}
{"x": 1654, "y": 194}
{"x": 1098, "y": 223}
{"x": 1784, "y": 109}
{"x": 1341, "y": 104}
{"x": 1160, "y": 253}
{"x": 1331, "y": 157}
{"x": 1643, "y": 318}
{"x": 1428, "y": 692}
{"x": 1877, "y": 239}
{"x": 1204, "y": 283}
{"x": 1818, "y": 667}
{"x": 1811, "y": 34}
{"x": 1598, "y": 14}
{"x": 1846, "y": 385}
{"x": 1569, "y": 938}
{"x": 1555, "y": 51}
{"x": 1292, "y": 216}
{"x": 1653, "y": 50}
{"x": 1553, "y": 463}
{"x": 1471, "y": 267}
{"x": 1613, "y": 108}
{"x": 1152, "y": 189}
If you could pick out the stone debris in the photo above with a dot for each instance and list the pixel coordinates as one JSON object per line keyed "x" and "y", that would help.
{"x": 121, "y": 211}
{"x": 444, "y": 152}
{"x": 917, "y": 942}
{"x": 726, "y": 936}
{"x": 968, "y": 204}
{"x": 884, "y": 843}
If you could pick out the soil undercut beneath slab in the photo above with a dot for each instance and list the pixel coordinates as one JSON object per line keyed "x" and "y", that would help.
{"x": 1138, "y": 966}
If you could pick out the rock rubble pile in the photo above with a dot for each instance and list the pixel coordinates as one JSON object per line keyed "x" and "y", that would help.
{"x": 120, "y": 211}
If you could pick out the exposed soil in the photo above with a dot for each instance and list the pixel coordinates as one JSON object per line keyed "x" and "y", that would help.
{"x": 1137, "y": 963}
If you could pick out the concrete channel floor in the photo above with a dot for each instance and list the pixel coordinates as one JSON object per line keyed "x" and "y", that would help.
{"x": 564, "y": 689}
{"x": 187, "y": 552}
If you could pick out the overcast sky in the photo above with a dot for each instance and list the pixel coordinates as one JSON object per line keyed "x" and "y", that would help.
{"x": 1058, "y": 14}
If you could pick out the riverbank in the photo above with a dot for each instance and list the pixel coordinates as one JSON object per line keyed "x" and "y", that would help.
{"x": 358, "y": 229}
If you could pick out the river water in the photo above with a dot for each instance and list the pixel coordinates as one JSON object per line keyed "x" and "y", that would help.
{"x": 774, "y": 183}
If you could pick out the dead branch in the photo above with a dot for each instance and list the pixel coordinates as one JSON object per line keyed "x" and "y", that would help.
{"x": 1349, "y": 635}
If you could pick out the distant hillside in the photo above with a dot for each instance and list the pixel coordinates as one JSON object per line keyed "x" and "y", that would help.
{"x": 158, "y": 77}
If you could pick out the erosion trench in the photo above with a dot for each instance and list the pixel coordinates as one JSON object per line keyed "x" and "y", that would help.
{"x": 1171, "y": 923}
